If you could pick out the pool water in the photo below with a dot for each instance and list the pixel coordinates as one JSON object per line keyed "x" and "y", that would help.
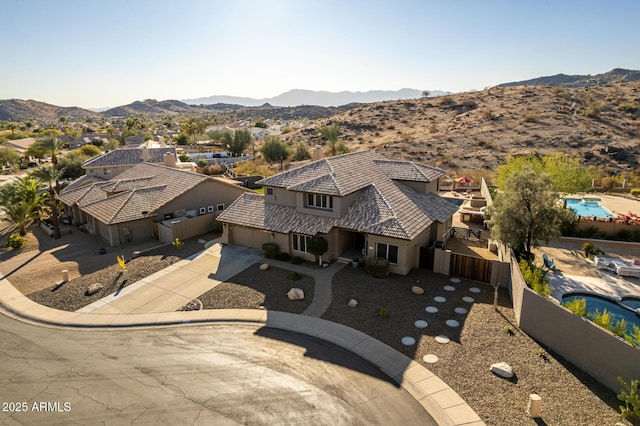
{"x": 587, "y": 208}
{"x": 631, "y": 301}
{"x": 458, "y": 202}
{"x": 600, "y": 303}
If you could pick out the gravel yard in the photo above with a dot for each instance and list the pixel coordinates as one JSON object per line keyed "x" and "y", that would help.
{"x": 569, "y": 396}
{"x": 71, "y": 295}
{"x": 252, "y": 288}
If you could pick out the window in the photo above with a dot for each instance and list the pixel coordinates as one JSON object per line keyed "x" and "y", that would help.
{"x": 220, "y": 207}
{"x": 210, "y": 209}
{"x": 203, "y": 210}
{"x": 106, "y": 172}
{"x": 300, "y": 242}
{"x": 268, "y": 191}
{"x": 389, "y": 252}
{"x": 91, "y": 171}
{"x": 320, "y": 201}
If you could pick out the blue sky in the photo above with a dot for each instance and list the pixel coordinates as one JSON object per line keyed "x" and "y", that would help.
{"x": 92, "y": 53}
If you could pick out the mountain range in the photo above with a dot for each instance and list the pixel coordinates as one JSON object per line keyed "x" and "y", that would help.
{"x": 298, "y": 97}
{"x": 615, "y": 75}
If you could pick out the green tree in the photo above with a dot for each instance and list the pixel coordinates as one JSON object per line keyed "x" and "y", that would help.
{"x": 301, "y": 152}
{"x": 318, "y": 246}
{"x": 527, "y": 211}
{"x": 70, "y": 166}
{"x": 565, "y": 171}
{"x": 133, "y": 123}
{"x": 12, "y": 126}
{"x": 274, "y": 150}
{"x": 9, "y": 156}
{"x": 89, "y": 150}
{"x": 182, "y": 139}
{"x": 20, "y": 201}
{"x": 52, "y": 147}
{"x": 241, "y": 140}
{"x": 63, "y": 120}
{"x": 49, "y": 175}
{"x": 331, "y": 133}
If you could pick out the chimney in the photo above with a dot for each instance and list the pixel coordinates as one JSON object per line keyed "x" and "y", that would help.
{"x": 170, "y": 160}
{"x": 146, "y": 155}
{"x": 318, "y": 153}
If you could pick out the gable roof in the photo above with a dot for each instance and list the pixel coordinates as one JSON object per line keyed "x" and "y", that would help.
{"x": 143, "y": 188}
{"x": 129, "y": 157}
{"x": 383, "y": 207}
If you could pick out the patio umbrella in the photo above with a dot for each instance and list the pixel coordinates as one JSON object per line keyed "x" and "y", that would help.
{"x": 464, "y": 180}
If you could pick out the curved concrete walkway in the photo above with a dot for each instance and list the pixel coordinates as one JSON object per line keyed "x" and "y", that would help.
{"x": 437, "y": 398}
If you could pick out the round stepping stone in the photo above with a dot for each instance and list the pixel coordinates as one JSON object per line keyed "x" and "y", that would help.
{"x": 430, "y": 359}
{"x": 449, "y": 288}
{"x": 474, "y": 290}
{"x": 421, "y": 324}
{"x": 455, "y": 280}
{"x": 440, "y": 299}
{"x": 460, "y": 311}
{"x": 468, "y": 299}
{"x": 408, "y": 341}
{"x": 431, "y": 309}
{"x": 442, "y": 339}
{"x": 452, "y": 323}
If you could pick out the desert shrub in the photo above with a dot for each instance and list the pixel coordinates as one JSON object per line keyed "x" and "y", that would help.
{"x": 635, "y": 192}
{"x": 558, "y": 90}
{"x": 16, "y": 241}
{"x": 301, "y": 152}
{"x": 577, "y": 306}
{"x": 590, "y": 232}
{"x": 270, "y": 250}
{"x": 628, "y": 107}
{"x": 634, "y": 336}
{"x": 623, "y": 235}
{"x": 383, "y": 313}
{"x": 177, "y": 243}
{"x": 593, "y": 109}
{"x": 376, "y": 267}
{"x": 588, "y": 249}
{"x": 213, "y": 169}
{"x": 296, "y": 260}
{"x": 216, "y": 227}
{"x": 608, "y": 183}
{"x": 294, "y": 276}
{"x": 629, "y": 395}
{"x": 283, "y": 256}
{"x": 531, "y": 117}
{"x": 535, "y": 278}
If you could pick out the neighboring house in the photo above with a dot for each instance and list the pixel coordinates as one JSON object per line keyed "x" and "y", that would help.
{"x": 360, "y": 202}
{"x": 88, "y": 138}
{"x": 20, "y": 145}
{"x": 112, "y": 163}
{"x": 149, "y": 200}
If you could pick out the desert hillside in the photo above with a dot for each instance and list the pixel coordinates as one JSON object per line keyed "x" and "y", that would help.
{"x": 478, "y": 130}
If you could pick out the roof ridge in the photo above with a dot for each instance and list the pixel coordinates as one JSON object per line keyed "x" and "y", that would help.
{"x": 124, "y": 203}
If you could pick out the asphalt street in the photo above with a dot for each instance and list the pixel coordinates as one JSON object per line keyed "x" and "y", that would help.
{"x": 222, "y": 374}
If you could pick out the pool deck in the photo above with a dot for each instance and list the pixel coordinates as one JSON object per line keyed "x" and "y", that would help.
{"x": 613, "y": 203}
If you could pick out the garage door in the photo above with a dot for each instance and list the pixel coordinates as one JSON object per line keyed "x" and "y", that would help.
{"x": 249, "y": 237}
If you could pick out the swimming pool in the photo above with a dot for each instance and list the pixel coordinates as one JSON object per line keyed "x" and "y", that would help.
{"x": 618, "y": 311}
{"x": 631, "y": 301}
{"x": 457, "y": 201}
{"x": 588, "y": 207}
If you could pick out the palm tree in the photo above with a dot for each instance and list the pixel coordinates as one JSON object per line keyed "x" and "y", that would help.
{"x": 331, "y": 132}
{"x": 48, "y": 175}
{"x": 12, "y": 126}
{"x": 20, "y": 201}
{"x": 51, "y": 146}
{"x": 63, "y": 120}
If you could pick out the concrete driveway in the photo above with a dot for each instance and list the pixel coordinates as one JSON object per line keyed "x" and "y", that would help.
{"x": 173, "y": 287}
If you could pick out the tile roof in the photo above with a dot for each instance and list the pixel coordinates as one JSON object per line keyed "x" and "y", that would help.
{"x": 128, "y": 156}
{"x": 383, "y": 207}
{"x": 144, "y": 187}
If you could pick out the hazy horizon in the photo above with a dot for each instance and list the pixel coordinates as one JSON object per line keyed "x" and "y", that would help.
{"x": 98, "y": 55}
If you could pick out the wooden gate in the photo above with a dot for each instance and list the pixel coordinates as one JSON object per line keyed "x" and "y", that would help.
{"x": 473, "y": 268}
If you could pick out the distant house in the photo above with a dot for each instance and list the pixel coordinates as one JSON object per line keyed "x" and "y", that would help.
{"x": 88, "y": 138}
{"x": 20, "y": 145}
{"x": 112, "y": 163}
{"x": 360, "y": 202}
{"x": 149, "y": 201}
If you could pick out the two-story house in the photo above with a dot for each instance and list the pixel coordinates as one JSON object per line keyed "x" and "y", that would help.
{"x": 358, "y": 201}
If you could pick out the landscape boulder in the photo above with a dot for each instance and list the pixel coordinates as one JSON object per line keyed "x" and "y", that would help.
{"x": 296, "y": 294}
{"x": 417, "y": 290}
{"x": 264, "y": 266}
{"x": 352, "y": 303}
{"x": 502, "y": 369}
{"x": 93, "y": 288}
